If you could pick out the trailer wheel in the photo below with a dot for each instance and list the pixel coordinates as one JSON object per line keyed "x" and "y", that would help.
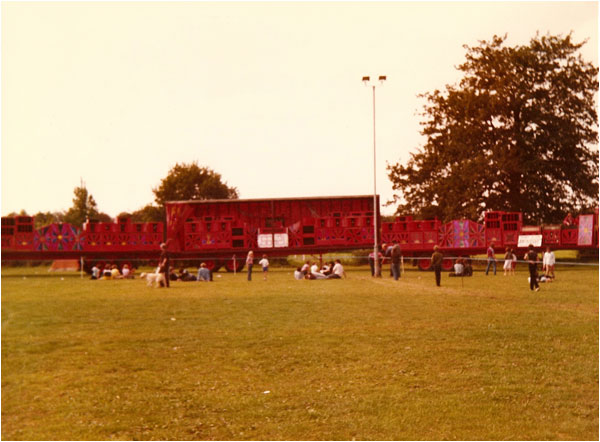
{"x": 424, "y": 263}
{"x": 230, "y": 267}
{"x": 213, "y": 265}
{"x": 447, "y": 264}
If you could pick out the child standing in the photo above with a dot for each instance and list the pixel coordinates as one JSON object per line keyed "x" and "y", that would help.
{"x": 264, "y": 263}
{"x": 507, "y": 261}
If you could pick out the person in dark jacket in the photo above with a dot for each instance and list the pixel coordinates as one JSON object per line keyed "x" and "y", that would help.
{"x": 396, "y": 256}
{"x": 436, "y": 263}
{"x": 163, "y": 261}
{"x": 532, "y": 259}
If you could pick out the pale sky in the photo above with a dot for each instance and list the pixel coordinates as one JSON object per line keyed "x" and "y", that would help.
{"x": 269, "y": 95}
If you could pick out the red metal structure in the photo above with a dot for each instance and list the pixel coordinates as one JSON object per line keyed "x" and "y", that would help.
{"x": 227, "y": 229}
{"x": 502, "y": 229}
{"x": 221, "y": 232}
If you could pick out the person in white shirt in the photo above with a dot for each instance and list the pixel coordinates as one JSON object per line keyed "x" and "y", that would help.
{"x": 95, "y": 272}
{"x": 298, "y": 274}
{"x": 264, "y": 263}
{"x": 338, "y": 271}
{"x": 548, "y": 262}
{"x": 314, "y": 271}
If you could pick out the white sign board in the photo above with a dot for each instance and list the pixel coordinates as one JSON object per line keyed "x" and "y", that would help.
{"x": 281, "y": 239}
{"x": 270, "y": 240}
{"x": 265, "y": 240}
{"x": 526, "y": 240}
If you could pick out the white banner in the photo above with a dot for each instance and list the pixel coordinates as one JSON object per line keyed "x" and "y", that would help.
{"x": 281, "y": 239}
{"x": 265, "y": 240}
{"x": 526, "y": 240}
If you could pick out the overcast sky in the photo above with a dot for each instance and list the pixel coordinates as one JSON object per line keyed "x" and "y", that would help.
{"x": 269, "y": 95}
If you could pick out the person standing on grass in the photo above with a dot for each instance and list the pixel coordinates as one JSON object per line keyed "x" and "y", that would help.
{"x": 436, "y": 263}
{"x": 396, "y": 255}
{"x": 491, "y": 259}
{"x": 163, "y": 263}
{"x": 507, "y": 261}
{"x": 264, "y": 263}
{"x": 548, "y": 262}
{"x": 250, "y": 263}
{"x": 532, "y": 259}
{"x": 379, "y": 257}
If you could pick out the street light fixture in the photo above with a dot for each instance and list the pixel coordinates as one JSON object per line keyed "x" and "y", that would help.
{"x": 367, "y": 81}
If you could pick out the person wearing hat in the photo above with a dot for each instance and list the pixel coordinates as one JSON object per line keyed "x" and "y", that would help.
{"x": 163, "y": 263}
{"x": 436, "y": 263}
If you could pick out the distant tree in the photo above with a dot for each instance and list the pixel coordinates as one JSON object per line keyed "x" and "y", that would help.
{"x": 191, "y": 182}
{"x": 84, "y": 207}
{"x": 42, "y": 219}
{"x": 23, "y": 212}
{"x": 519, "y": 133}
{"x": 148, "y": 214}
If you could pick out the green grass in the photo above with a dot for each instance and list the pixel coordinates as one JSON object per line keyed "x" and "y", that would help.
{"x": 361, "y": 358}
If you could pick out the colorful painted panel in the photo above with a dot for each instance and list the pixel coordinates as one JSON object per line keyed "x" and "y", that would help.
{"x": 586, "y": 228}
{"x": 461, "y": 233}
{"x": 58, "y": 237}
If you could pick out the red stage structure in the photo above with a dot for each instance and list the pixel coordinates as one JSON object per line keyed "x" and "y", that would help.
{"x": 221, "y": 232}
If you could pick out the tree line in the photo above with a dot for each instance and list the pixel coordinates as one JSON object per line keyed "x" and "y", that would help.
{"x": 183, "y": 182}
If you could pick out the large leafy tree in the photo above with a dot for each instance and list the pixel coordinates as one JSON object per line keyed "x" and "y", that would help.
{"x": 518, "y": 133}
{"x": 84, "y": 207}
{"x": 192, "y": 182}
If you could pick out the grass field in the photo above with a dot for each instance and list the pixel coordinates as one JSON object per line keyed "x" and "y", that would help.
{"x": 360, "y": 358}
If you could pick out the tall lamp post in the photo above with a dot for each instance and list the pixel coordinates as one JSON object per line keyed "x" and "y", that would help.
{"x": 367, "y": 81}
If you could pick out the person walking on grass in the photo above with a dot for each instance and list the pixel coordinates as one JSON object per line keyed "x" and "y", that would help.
{"x": 532, "y": 259}
{"x": 264, "y": 263}
{"x": 436, "y": 263}
{"x": 548, "y": 263}
{"x": 491, "y": 259}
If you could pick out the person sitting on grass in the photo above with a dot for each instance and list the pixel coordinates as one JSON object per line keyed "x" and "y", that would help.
{"x": 185, "y": 276}
{"x": 106, "y": 273}
{"x": 305, "y": 268}
{"x": 298, "y": 274}
{"x": 127, "y": 272}
{"x": 338, "y": 271}
{"x": 468, "y": 267}
{"x": 95, "y": 272}
{"x": 314, "y": 271}
{"x": 459, "y": 268}
{"x": 203, "y": 273}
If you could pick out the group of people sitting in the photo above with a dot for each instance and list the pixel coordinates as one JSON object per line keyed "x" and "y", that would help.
{"x": 111, "y": 271}
{"x": 462, "y": 267}
{"x": 329, "y": 270}
{"x": 203, "y": 275}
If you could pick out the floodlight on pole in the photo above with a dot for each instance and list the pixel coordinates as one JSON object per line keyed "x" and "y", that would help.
{"x": 377, "y": 268}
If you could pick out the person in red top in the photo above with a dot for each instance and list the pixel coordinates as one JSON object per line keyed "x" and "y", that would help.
{"x": 491, "y": 259}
